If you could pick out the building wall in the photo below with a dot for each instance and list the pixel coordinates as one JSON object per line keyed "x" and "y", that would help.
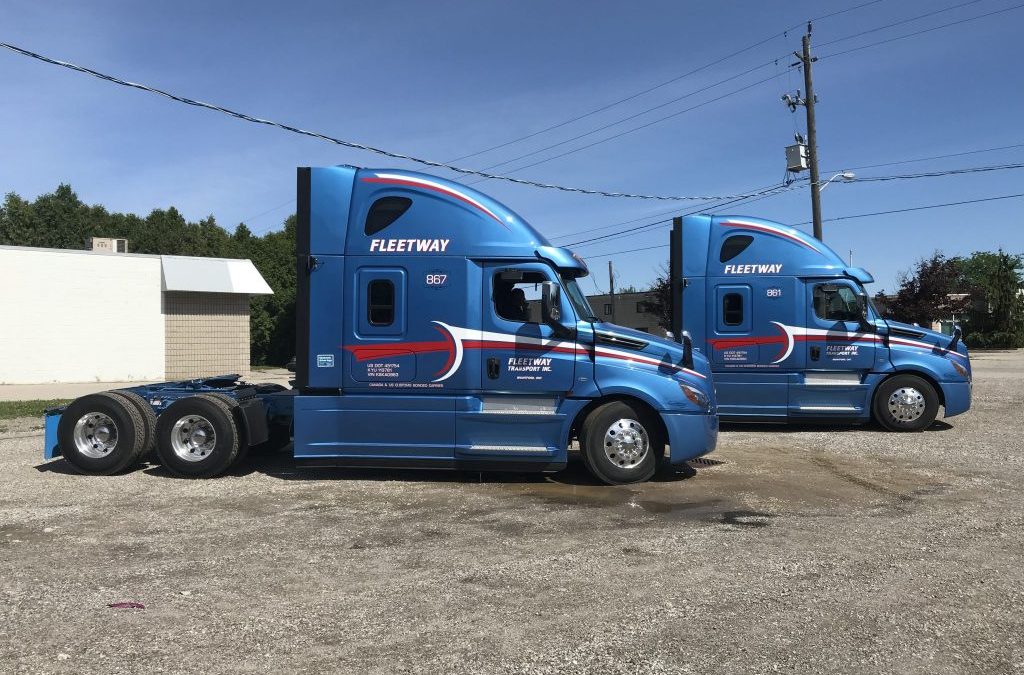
{"x": 627, "y": 312}
{"x": 74, "y": 316}
{"x": 207, "y": 334}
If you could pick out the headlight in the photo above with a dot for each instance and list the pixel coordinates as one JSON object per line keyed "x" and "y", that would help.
{"x": 696, "y": 396}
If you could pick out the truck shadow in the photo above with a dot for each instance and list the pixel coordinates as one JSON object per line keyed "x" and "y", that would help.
{"x": 281, "y": 466}
{"x": 830, "y": 427}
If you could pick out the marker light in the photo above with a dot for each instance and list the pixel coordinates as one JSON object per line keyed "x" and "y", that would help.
{"x": 696, "y": 396}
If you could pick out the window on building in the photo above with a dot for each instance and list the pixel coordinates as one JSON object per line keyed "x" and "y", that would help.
{"x": 733, "y": 246}
{"x": 732, "y": 309}
{"x": 836, "y": 303}
{"x": 385, "y": 211}
{"x": 640, "y": 308}
{"x": 381, "y": 302}
{"x": 607, "y": 309}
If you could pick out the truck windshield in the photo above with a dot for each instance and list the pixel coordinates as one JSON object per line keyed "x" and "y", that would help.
{"x": 578, "y": 300}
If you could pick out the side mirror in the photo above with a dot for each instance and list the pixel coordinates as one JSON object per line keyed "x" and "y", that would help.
{"x": 550, "y": 302}
{"x": 862, "y": 319}
{"x": 957, "y": 334}
{"x": 687, "y": 350}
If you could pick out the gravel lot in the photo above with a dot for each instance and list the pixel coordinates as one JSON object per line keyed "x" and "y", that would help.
{"x": 802, "y": 549}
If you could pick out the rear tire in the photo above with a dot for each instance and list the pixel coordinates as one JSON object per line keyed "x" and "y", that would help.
{"x": 149, "y": 420}
{"x": 101, "y": 434}
{"x": 621, "y": 442}
{"x": 236, "y": 415}
{"x": 197, "y": 437}
{"x": 905, "y": 403}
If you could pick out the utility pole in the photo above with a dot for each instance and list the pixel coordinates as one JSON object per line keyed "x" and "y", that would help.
{"x": 611, "y": 289}
{"x": 812, "y": 136}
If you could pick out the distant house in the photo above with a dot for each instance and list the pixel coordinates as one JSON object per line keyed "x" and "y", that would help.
{"x": 629, "y": 311}
{"x": 103, "y": 316}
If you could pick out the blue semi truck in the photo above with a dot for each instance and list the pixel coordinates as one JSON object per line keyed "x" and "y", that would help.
{"x": 792, "y": 335}
{"x": 435, "y": 328}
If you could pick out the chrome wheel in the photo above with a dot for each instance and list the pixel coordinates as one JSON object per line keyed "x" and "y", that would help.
{"x": 626, "y": 443}
{"x": 906, "y": 404}
{"x": 95, "y": 435}
{"x": 193, "y": 438}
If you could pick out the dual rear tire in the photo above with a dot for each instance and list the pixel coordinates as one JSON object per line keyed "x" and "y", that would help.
{"x": 195, "y": 437}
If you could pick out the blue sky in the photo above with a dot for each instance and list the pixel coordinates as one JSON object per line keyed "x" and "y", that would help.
{"x": 445, "y": 79}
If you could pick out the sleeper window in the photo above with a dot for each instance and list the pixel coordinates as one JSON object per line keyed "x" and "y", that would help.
{"x": 381, "y": 302}
{"x": 733, "y": 246}
{"x": 385, "y": 211}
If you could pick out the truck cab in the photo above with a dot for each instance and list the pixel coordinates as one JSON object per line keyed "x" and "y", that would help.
{"x": 792, "y": 334}
{"x": 437, "y": 328}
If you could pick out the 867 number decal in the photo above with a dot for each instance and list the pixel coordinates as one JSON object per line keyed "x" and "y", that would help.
{"x": 436, "y": 279}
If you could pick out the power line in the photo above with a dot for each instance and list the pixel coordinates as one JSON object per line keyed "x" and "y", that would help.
{"x": 921, "y": 32}
{"x": 270, "y": 210}
{"x": 850, "y": 217}
{"x": 746, "y": 72}
{"x": 933, "y": 174}
{"x": 900, "y": 23}
{"x": 632, "y": 250}
{"x": 642, "y": 126}
{"x": 337, "y": 141}
{"x": 630, "y": 117}
{"x": 778, "y": 189}
{"x": 920, "y": 208}
{"x": 928, "y": 159}
{"x": 661, "y": 85}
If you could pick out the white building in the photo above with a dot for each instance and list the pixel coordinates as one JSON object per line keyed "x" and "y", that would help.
{"x": 86, "y": 316}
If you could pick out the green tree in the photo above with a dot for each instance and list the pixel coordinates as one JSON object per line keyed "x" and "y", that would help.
{"x": 659, "y": 302}
{"x": 996, "y": 315}
{"x": 929, "y": 292}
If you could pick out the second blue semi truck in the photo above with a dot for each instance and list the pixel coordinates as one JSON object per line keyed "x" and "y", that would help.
{"x": 435, "y": 328}
{"x": 792, "y": 334}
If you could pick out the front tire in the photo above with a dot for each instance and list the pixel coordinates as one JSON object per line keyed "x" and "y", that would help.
{"x": 905, "y": 403}
{"x": 197, "y": 437}
{"x": 621, "y": 442}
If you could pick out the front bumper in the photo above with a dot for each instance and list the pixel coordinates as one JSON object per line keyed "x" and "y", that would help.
{"x": 957, "y": 396}
{"x": 690, "y": 435}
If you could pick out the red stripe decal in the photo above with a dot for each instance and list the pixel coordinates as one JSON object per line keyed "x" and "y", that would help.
{"x": 769, "y": 230}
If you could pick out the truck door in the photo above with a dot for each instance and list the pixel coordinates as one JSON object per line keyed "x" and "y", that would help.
{"x": 519, "y": 354}
{"x": 526, "y": 371}
{"x": 839, "y": 352}
{"x": 749, "y": 343}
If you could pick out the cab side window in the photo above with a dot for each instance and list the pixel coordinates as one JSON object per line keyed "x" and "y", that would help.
{"x": 515, "y": 295}
{"x": 380, "y": 302}
{"x": 836, "y": 303}
{"x": 732, "y": 309}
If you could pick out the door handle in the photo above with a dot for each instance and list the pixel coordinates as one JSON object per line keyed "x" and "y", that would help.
{"x": 492, "y": 368}
{"x": 815, "y": 353}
